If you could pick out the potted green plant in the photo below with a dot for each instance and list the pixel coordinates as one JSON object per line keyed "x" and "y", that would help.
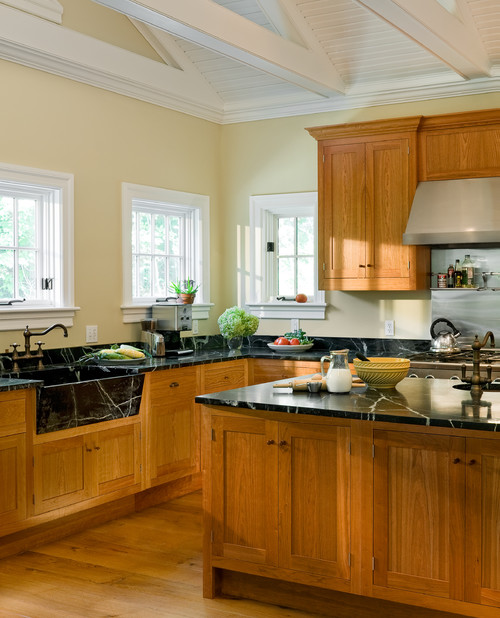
{"x": 185, "y": 290}
{"x": 235, "y": 323}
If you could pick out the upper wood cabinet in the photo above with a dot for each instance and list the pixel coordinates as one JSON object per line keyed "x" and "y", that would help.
{"x": 366, "y": 182}
{"x": 464, "y": 145}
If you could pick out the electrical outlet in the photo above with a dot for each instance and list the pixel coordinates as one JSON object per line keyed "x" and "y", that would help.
{"x": 294, "y": 324}
{"x": 195, "y": 327}
{"x": 389, "y": 328}
{"x": 91, "y": 334}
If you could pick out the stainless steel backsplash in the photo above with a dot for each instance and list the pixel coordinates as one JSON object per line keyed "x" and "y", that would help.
{"x": 471, "y": 311}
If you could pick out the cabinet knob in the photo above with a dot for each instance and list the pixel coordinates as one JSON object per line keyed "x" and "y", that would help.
{"x": 370, "y": 265}
{"x": 89, "y": 450}
{"x": 472, "y": 462}
{"x": 269, "y": 442}
{"x": 174, "y": 384}
{"x": 283, "y": 443}
{"x": 456, "y": 460}
{"x": 97, "y": 448}
{"x": 362, "y": 266}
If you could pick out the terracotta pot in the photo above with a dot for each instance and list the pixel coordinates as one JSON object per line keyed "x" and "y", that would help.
{"x": 187, "y": 299}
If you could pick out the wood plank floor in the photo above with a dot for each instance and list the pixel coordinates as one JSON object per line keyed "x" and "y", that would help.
{"x": 148, "y": 564}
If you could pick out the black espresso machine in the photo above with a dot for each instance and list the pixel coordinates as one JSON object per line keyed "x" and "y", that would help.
{"x": 169, "y": 319}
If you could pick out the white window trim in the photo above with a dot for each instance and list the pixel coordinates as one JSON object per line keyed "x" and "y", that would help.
{"x": 13, "y": 317}
{"x": 136, "y": 311}
{"x": 260, "y": 207}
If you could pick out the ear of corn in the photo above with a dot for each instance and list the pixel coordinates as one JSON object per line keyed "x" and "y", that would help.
{"x": 130, "y": 351}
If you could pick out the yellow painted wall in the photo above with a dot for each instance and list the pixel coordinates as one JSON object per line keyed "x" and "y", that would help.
{"x": 104, "y": 139}
{"x": 279, "y": 156}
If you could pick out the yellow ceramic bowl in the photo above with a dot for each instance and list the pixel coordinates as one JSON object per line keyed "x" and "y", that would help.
{"x": 382, "y": 372}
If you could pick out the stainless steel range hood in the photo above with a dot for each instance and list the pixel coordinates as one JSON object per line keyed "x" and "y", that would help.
{"x": 455, "y": 212}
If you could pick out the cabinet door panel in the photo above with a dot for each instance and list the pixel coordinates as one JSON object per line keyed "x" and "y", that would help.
{"x": 62, "y": 473}
{"x": 483, "y": 520}
{"x": 314, "y": 475}
{"x": 244, "y": 489}
{"x": 174, "y": 441}
{"x": 419, "y": 503}
{"x": 117, "y": 459}
{"x": 223, "y": 376}
{"x": 387, "y": 208}
{"x": 342, "y": 212}
{"x": 12, "y": 478}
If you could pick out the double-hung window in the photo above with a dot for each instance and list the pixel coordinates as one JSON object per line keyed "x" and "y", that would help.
{"x": 165, "y": 240}
{"x": 283, "y": 239}
{"x": 36, "y": 247}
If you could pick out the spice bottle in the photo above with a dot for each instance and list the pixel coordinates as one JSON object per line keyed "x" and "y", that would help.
{"x": 451, "y": 276}
{"x": 467, "y": 272}
{"x": 458, "y": 274}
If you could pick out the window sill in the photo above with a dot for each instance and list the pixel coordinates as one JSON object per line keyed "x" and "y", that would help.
{"x": 288, "y": 310}
{"x": 14, "y": 318}
{"x": 136, "y": 313}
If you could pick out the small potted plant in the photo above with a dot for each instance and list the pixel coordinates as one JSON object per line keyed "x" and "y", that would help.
{"x": 235, "y": 323}
{"x": 185, "y": 290}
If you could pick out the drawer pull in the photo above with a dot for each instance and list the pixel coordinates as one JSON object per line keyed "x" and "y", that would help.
{"x": 174, "y": 384}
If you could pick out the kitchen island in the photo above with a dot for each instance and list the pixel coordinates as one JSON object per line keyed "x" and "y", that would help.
{"x": 361, "y": 504}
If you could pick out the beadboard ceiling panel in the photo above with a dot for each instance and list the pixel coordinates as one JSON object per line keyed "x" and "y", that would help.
{"x": 240, "y": 60}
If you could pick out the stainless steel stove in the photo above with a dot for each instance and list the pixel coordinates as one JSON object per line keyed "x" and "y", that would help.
{"x": 449, "y": 365}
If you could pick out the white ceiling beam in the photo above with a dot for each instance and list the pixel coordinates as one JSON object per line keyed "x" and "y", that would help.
{"x": 430, "y": 25}
{"x": 216, "y": 28}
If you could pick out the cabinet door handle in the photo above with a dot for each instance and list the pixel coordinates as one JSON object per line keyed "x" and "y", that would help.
{"x": 174, "y": 384}
{"x": 362, "y": 266}
{"x": 472, "y": 462}
{"x": 456, "y": 460}
{"x": 97, "y": 448}
{"x": 89, "y": 450}
{"x": 269, "y": 442}
{"x": 283, "y": 443}
{"x": 370, "y": 265}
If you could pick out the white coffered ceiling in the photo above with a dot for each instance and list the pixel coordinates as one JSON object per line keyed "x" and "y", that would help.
{"x": 238, "y": 60}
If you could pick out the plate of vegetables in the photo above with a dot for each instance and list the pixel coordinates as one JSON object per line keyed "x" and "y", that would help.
{"x": 116, "y": 355}
{"x": 295, "y": 341}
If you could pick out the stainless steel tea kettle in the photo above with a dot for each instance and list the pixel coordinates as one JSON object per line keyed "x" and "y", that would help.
{"x": 444, "y": 341}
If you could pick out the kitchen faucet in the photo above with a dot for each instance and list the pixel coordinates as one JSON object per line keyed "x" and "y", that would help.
{"x": 476, "y": 381}
{"x": 27, "y": 345}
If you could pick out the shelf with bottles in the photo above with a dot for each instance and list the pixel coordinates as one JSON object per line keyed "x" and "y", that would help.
{"x": 482, "y": 262}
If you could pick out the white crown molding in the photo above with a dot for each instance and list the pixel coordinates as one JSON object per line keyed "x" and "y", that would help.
{"x": 47, "y": 9}
{"x": 36, "y": 43}
{"x": 42, "y": 45}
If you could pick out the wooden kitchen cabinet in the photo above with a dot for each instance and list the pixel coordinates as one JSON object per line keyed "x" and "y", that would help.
{"x": 223, "y": 376}
{"x": 281, "y": 497}
{"x": 81, "y": 467}
{"x": 483, "y": 521}
{"x": 367, "y": 174}
{"x": 419, "y": 513}
{"x": 14, "y": 408}
{"x": 267, "y": 370}
{"x": 462, "y": 145}
{"x": 173, "y": 424}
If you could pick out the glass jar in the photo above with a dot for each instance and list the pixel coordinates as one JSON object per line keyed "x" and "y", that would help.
{"x": 338, "y": 377}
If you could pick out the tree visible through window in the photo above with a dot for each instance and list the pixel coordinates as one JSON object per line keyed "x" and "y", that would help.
{"x": 295, "y": 255}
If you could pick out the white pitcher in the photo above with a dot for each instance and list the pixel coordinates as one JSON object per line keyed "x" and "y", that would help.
{"x": 338, "y": 376}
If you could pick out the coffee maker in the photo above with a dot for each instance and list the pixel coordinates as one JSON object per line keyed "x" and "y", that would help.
{"x": 170, "y": 320}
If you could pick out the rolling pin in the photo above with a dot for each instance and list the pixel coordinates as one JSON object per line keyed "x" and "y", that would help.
{"x": 301, "y": 384}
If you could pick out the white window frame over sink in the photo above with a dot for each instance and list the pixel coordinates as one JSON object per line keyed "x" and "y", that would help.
{"x": 196, "y": 208}
{"x": 262, "y": 301}
{"x": 53, "y": 193}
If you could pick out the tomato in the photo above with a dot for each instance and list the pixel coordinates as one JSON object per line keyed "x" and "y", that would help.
{"x": 282, "y": 341}
{"x": 294, "y": 341}
{"x": 301, "y": 298}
